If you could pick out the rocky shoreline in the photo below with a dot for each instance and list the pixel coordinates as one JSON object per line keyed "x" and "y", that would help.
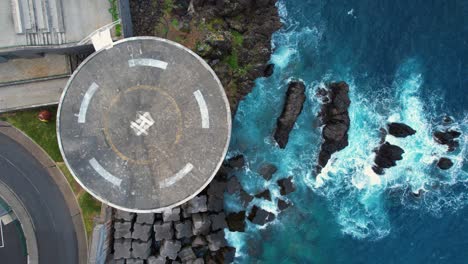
{"x": 233, "y": 36}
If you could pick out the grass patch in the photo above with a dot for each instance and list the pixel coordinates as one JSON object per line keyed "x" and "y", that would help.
{"x": 175, "y": 22}
{"x": 90, "y": 208}
{"x": 114, "y": 11}
{"x": 42, "y": 133}
{"x": 232, "y": 60}
{"x": 237, "y": 38}
{"x": 168, "y": 5}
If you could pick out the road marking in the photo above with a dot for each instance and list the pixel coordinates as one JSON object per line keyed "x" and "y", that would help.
{"x": 147, "y": 62}
{"x": 2, "y": 245}
{"x": 85, "y": 103}
{"x": 104, "y": 173}
{"x": 203, "y": 109}
{"x": 176, "y": 177}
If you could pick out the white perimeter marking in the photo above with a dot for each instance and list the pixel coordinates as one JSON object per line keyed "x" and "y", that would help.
{"x": 85, "y": 103}
{"x": 147, "y": 62}
{"x": 205, "y": 117}
{"x": 104, "y": 173}
{"x": 1, "y": 234}
{"x": 176, "y": 177}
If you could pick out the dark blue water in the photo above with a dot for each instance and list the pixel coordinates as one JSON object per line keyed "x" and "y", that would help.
{"x": 405, "y": 61}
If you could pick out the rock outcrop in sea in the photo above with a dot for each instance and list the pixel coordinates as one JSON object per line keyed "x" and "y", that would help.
{"x": 294, "y": 102}
{"x": 386, "y": 157}
{"x": 400, "y": 130}
{"x": 335, "y": 120}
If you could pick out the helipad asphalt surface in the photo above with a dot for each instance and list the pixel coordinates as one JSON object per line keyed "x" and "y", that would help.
{"x": 144, "y": 125}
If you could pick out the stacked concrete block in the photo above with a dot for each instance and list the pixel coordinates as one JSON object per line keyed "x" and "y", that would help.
{"x": 145, "y": 219}
{"x": 122, "y": 248}
{"x": 196, "y": 261}
{"x": 216, "y": 240}
{"x": 187, "y": 254}
{"x": 142, "y": 231}
{"x": 141, "y": 249}
{"x": 122, "y": 230}
{"x": 218, "y": 221}
{"x": 135, "y": 261}
{"x": 199, "y": 241}
{"x": 124, "y": 216}
{"x": 163, "y": 231}
{"x": 196, "y": 205}
{"x": 171, "y": 215}
{"x": 157, "y": 260}
{"x": 201, "y": 224}
{"x": 170, "y": 249}
{"x": 183, "y": 229}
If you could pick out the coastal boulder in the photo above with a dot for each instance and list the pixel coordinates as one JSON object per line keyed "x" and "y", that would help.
{"x": 265, "y": 195}
{"x": 236, "y": 162}
{"x": 447, "y": 137}
{"x": 236, "y": 221}
{"x": 282, "y": 204}
{"x": 269, "y": 70}
{"x": 386, "y": 157}
{"x": 400, "y": 130}
{"x": 267, "y": 171}
{"x": 295, "y": 98}
{"x": 259, "y": 216}
{"x": 335, "y": 118}
{"x": 444, "y": 163}
{"x": 286, "y": 186}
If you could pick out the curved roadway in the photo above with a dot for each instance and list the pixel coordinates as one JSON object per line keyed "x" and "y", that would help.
{"x": 31, "y": 182}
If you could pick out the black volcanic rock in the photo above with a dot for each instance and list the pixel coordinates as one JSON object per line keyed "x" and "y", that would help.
{"x": 444, "y": 163}
{"x": 269, "y": 70}
{"x": 236, "y": 162}
{"x": 236, "y": 221}
{"x": 282, "y": 204}
{"x": 259, "y": 216}
{"x": 400, "y": 130}
{"x": 447, "y": 137}
{"x": 286, "y": 186}
{"x": 267, "y": 171}
{"x": 335, "y": 118}
{"x": 265, "y": 195}
{"x": 386, "y": 157}
{"x": 295, "y": 97}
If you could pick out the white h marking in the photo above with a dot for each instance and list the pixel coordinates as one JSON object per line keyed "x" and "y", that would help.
{"x": 142, "y": 124}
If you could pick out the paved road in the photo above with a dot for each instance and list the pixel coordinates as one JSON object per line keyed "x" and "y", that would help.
{"x": 11, "y": 246}
{"x": 56, "y": 237}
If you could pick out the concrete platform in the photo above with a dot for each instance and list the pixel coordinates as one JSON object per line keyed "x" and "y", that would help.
{"x": 144, "y": 125}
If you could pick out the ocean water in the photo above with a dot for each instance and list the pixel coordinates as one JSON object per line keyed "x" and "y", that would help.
{"x": 405, "y": 61}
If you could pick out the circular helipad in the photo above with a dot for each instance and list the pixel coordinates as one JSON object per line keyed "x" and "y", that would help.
{"x": 144, "y": 125}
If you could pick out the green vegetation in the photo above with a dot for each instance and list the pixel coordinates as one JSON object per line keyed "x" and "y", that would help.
{"x": 175, "y": 22}
{"x": 113, "y": 10}
{"x": 44, "y": 135}
{"x": 90, "y": 208}
{"x": 214, "y": 23}
{"x": 168, "y": 5}
{"x": 232, "y": 60}
{"x": 41, "y": 132}
{"x": 237, "y": 38}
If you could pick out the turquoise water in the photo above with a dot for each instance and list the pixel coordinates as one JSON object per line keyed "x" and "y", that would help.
{"x": 405, "y": 61}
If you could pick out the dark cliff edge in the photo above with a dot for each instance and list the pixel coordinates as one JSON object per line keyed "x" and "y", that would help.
{"x": 233, "y": 36}
{"x": 335, "y": 119}
{"x": 295, "y": 98}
